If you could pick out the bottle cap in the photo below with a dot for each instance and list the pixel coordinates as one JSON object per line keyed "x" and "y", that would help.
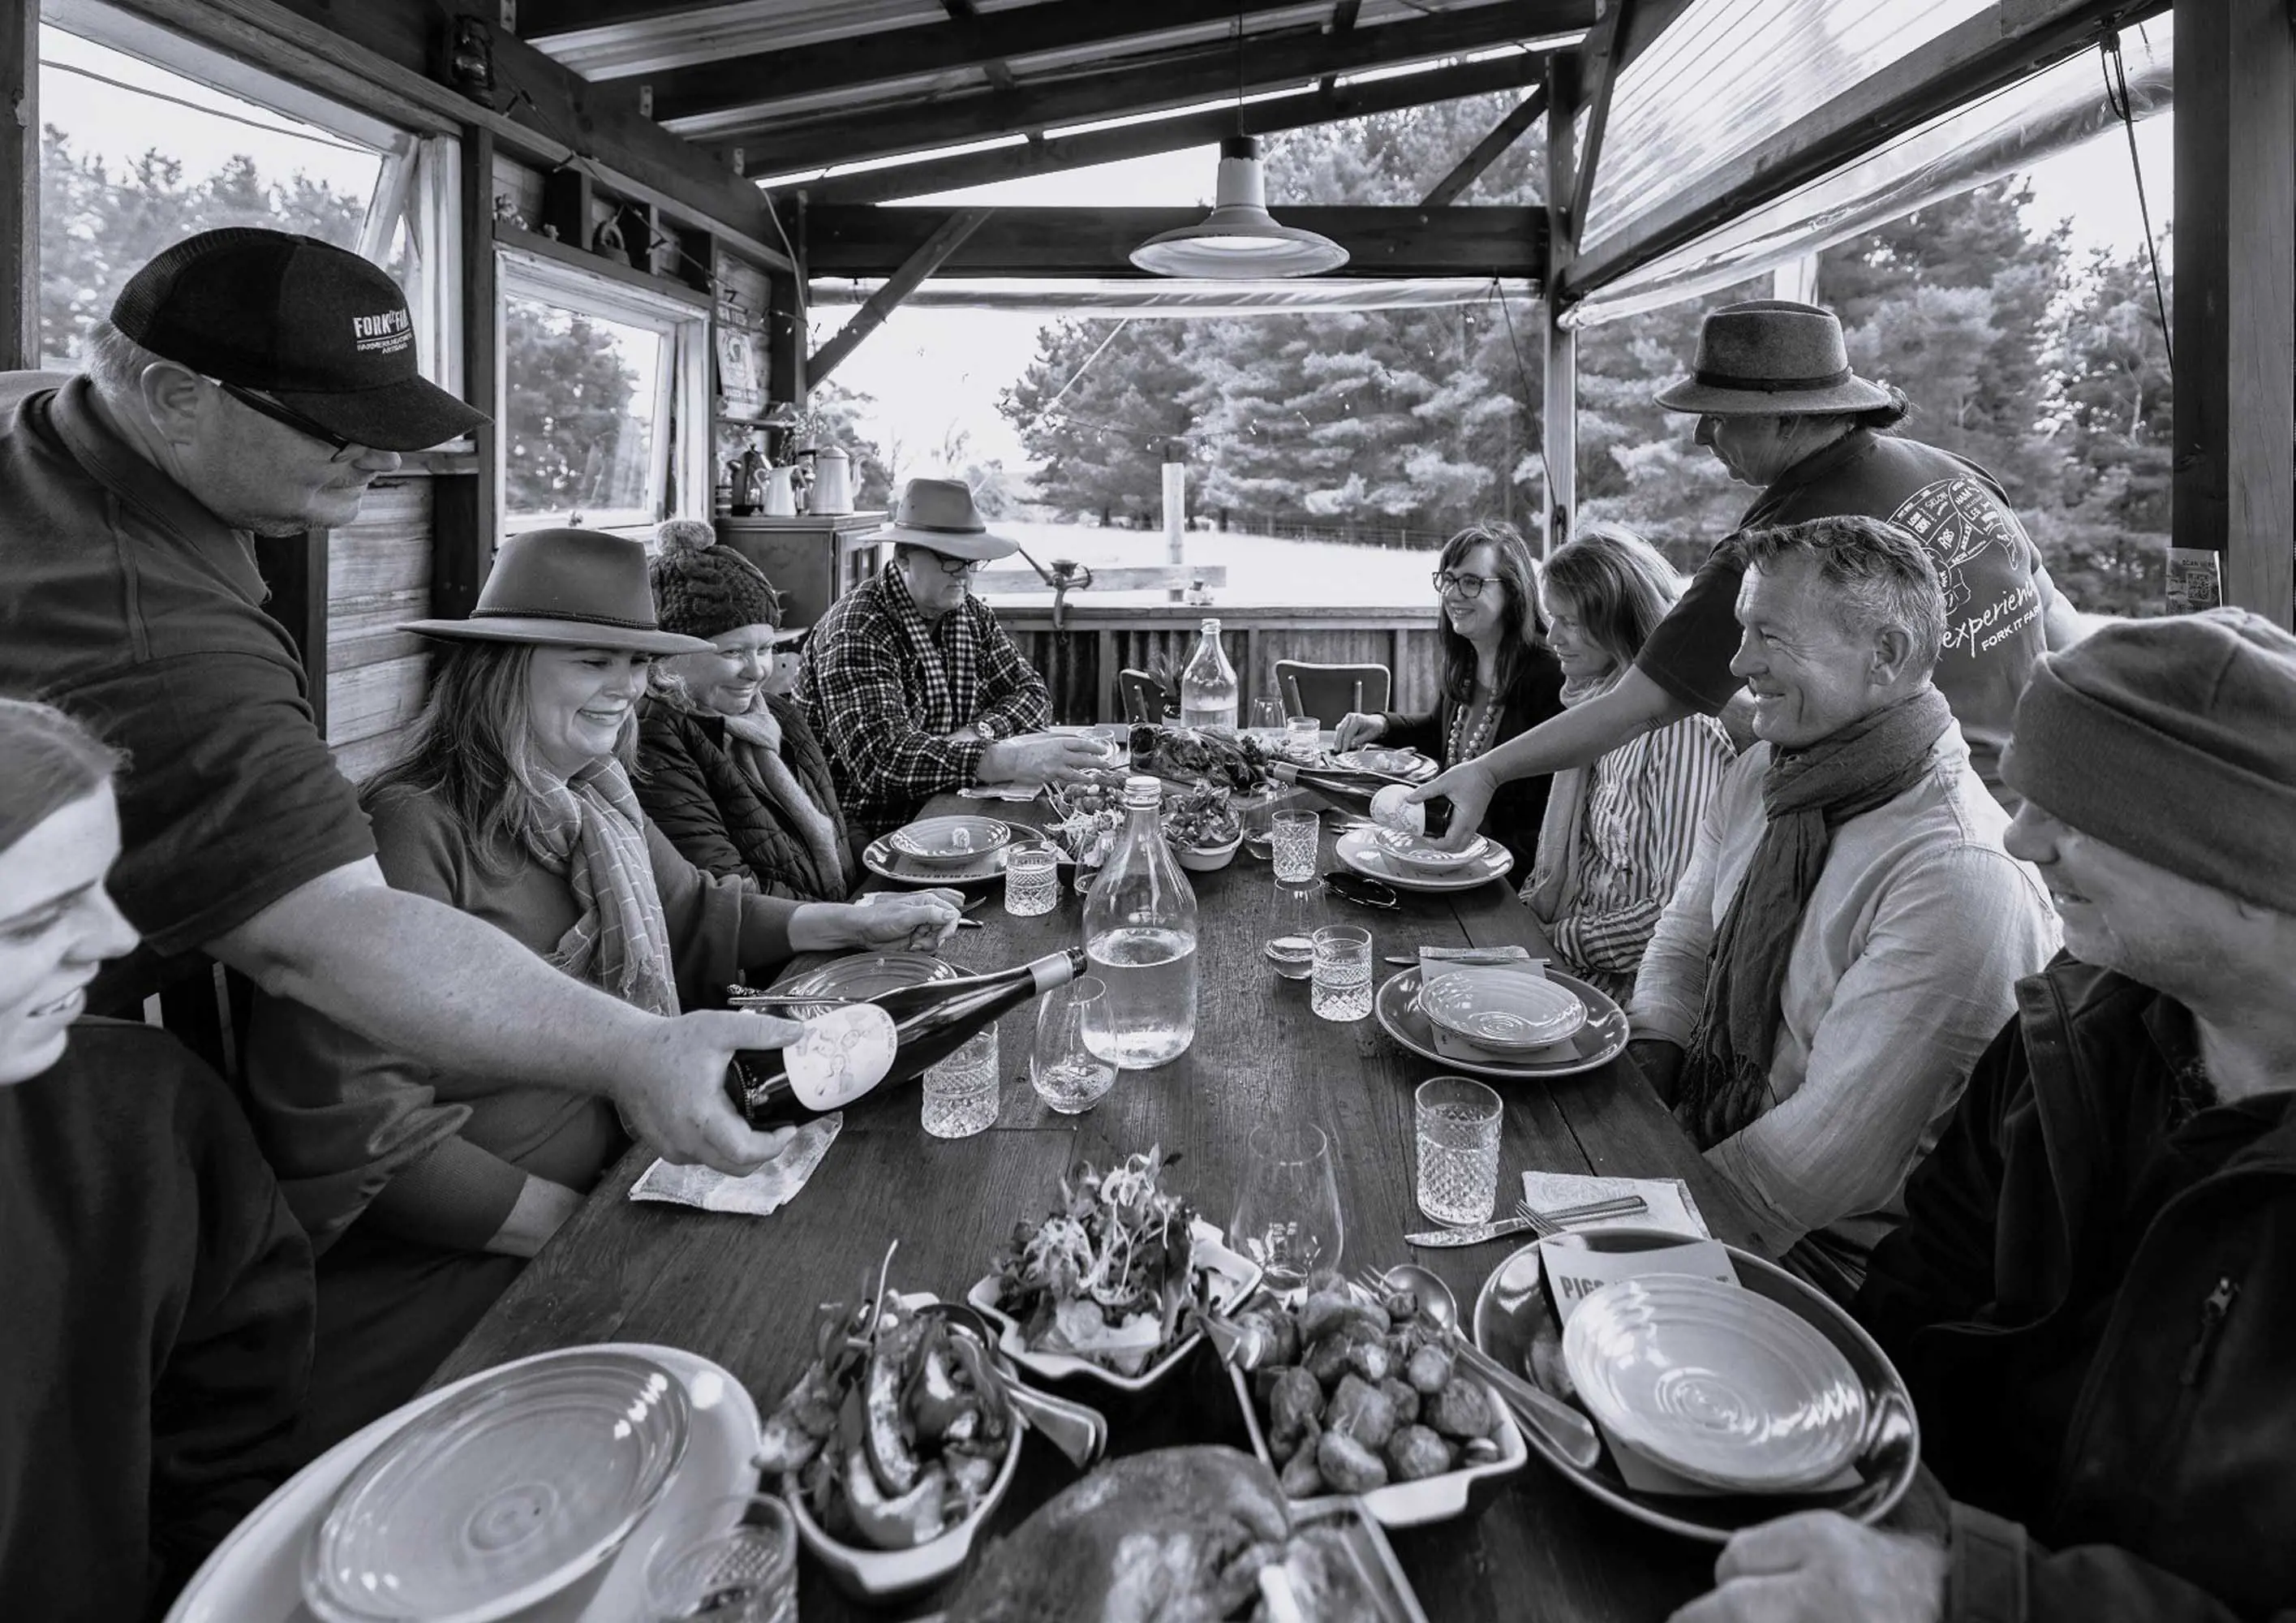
{"x": 1143, "y": 791}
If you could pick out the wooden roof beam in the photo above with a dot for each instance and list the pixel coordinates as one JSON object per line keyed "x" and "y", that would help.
{"x": 928, "y": 257}
{"x": 1344, "y": 13}
{"x": 1482, "y": 240}
{"x": 1505, "y": 133}
{"x": 1599, "y": 62}
{"x": 1972, "y": 60}
{"x": 1053, "y": 154}
{"x": 1200, "y": 74}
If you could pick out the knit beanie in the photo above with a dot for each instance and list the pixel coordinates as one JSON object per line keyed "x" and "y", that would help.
{"x": 2174, "y": 740}
{"x": 703, "y": 589}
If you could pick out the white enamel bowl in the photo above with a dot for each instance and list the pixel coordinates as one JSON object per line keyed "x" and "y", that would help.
{"x": 1501, "y": 1010}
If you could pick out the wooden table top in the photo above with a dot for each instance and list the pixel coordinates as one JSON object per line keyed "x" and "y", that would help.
{"x": 744, "y": 1290}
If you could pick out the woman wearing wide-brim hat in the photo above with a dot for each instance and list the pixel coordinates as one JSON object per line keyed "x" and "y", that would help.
{"x": 511, "y": 800}
{"x": 1780, "y": 409}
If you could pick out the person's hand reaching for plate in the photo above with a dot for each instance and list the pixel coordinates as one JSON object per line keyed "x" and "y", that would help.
{"x": 1468, "y": 787}
{"x": 1041, "y": 758}
{"x": 1358, "y": 729}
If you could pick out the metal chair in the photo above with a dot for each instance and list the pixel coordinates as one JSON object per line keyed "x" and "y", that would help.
{"x": 1328, "y": 692}
{"x": 1143, "y": 698}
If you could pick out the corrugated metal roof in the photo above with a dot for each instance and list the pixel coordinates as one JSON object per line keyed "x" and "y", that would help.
{"x": 744, "y": 28}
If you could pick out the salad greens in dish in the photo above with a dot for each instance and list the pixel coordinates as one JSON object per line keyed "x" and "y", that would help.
{"x": 1110, "y": 1275}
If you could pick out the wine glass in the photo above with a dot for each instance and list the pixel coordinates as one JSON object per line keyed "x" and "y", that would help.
{"x": 1268, "y": 721}
{"x": 1287, "y": 1218}
{"x": 1065, "y": 1068}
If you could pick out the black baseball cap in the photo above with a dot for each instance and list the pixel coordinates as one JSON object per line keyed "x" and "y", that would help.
{"x": 321, "y": 330}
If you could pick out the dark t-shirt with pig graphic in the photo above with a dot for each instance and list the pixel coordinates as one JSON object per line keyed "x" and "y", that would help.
{"x": 1954, "y": 507}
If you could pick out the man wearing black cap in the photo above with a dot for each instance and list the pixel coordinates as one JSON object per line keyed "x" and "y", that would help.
{"x": 252, "y": 381}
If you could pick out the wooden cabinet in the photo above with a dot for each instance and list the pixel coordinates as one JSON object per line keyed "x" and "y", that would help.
{"x": 811, "y": 560}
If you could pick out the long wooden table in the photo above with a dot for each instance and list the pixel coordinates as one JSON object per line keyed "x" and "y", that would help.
{"x": 744, "y": 1290}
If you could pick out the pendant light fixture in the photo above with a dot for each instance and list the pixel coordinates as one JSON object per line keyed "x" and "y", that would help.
{"x": 1239, "y": 239}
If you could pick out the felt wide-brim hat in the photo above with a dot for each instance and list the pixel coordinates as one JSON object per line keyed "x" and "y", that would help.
{"x": 570, "y": 588}
{"x": 938, "y": 514}
{"x": 1772, "y": 357}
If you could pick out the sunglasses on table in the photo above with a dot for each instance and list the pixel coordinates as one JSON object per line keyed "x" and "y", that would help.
{"x": 264, "y": 406}
{"x": 1466, "y": 586}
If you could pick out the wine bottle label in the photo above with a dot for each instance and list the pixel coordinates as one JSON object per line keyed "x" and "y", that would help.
{"x": 1057, "y": 970}
{"x": 843, "y": 1054}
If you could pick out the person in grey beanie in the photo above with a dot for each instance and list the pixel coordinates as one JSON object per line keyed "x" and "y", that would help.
{"x": 2093, "y": 1296}
{"x": 731, "y": 773}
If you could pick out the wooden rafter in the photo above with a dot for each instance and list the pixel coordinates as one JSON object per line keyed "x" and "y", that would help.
{"x": 993, "y": 69}
{"x": 1598, "y": 65}
{"x": 1971, "y": 60}
{"x": 20, "y": 182}
{"x": 1344, "y": 13}
{"x": 1200, "y": 74}
{"x": 1505, "y": 133}
{"x": 925, "y": 258}
{"x": 1318, "y": 106}
{"x": 1482, "y": 240}
{"x": 890, "y": 54}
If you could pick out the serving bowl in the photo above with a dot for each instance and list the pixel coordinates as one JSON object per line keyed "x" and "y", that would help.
{"x": 1500, "y": 1010}
{"x": 873, "y": 1577}
{"x": 954, "y": 841}
{"x": 1418, "y": 851}
{"x": 1207, "y": 858}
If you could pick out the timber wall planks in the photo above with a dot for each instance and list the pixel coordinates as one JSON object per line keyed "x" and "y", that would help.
{"x": 379, "y": 575}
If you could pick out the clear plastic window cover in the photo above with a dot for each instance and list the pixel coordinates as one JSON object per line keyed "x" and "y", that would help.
{"x": 2003, "y": 134}
{"x": 1727, "y": 75}
{"x": 1148, "y": 299}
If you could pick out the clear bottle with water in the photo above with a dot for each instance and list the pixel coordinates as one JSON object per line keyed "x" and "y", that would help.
{"x": 1208, "y": 688}
{"x": 1140, "y": 938}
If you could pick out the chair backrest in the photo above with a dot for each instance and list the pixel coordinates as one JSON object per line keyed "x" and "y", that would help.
{"x": 1142, "y": 696}
{"x": 1328, "y": 692}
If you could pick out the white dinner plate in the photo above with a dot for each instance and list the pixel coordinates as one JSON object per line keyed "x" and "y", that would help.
{"x": 1601, "y": 1040}
{"x": 255, "y": 1576}
{"x": 1360, "y": 851}
{"x": 1408, "y": 764}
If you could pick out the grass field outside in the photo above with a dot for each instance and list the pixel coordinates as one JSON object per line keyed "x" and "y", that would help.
{"x": 1263, "y": 572}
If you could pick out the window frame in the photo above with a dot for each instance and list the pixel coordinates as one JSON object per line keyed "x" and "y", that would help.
{"x": 678, "y": 460}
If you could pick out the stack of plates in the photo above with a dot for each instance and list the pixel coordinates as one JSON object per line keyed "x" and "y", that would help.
{"x": 1418, "y": 851}
{"x": 1360, "y": 849}
{"x": 1723, "y": 1386}
{"x": 1501, "y": 1011}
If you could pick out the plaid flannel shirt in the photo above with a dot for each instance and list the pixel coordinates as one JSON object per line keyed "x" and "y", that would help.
{"x": 885, "y": 690}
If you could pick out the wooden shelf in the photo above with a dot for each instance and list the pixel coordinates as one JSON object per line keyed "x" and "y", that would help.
{"x": 599, "y": 264}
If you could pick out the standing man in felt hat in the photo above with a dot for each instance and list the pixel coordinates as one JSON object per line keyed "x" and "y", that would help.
{"x": 252, "y": 382}
{"x": 914, "y": 687}
{"x": 1780, "y": 409}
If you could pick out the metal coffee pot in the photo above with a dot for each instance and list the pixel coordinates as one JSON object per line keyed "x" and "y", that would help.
{"x": 833, "y": 481}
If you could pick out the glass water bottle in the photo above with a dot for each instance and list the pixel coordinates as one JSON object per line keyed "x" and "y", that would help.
{"x": 1207, "y": 685}
{"x": 1140, "y": 938}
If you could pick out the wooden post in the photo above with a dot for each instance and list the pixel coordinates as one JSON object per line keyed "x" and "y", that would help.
{"x": 468, "y": 511}
{"x": 2234, "y": 316}
{"x": 295, "y": 568}
{"x": 1559, "y": 406}
{"x": 20, "y": 184}
{"x": 785, "y": 339}
{"x": 1175, "y": 509}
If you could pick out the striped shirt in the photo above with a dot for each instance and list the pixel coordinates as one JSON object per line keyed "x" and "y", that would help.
{"x": 1635, "y": 839}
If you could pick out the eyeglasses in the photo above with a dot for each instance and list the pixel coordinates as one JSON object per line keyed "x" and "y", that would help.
{"x": 1466, "y": 586}
{"x": 954, "y": 567}
{"x": 265, "y": 407}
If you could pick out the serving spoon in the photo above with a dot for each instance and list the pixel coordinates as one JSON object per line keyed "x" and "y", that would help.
{"x": 1077, "y": 1430}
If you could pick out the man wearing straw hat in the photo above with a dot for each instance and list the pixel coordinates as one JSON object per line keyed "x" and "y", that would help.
{"x": 251, "y": 382}
{"x": 914, "y": 687}
{"x": 1780, "y": 409}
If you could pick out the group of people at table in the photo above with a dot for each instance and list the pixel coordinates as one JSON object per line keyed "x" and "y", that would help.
{"x": 1970, "y": 972}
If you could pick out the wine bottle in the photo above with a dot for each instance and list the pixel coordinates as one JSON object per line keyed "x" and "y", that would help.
{"x": 1354, "y": 787}
{"x": 931, "y": 1022}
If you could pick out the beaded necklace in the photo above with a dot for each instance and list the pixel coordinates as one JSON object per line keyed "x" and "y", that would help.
{"x": 1472, "y": 743}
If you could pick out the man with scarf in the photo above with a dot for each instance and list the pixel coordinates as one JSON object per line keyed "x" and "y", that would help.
{"x": 914, "y": 687}
{"x": 1845, "y": 940}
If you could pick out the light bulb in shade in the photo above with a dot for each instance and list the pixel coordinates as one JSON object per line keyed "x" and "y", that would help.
{"x": 1239, "y": 238}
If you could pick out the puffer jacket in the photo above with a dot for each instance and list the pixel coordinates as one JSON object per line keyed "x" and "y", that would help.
{"x": 2174, "y": 1492}
{"x": 698, "y": 795}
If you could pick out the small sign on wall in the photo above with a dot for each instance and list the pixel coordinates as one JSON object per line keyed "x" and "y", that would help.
{"x": 2194, "y": 579}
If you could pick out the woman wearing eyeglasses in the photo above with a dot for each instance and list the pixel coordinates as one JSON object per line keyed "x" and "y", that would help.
{"x": 1499, "y": 678}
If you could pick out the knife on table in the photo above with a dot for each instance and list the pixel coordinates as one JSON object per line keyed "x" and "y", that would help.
{"x": 1620, "y": 1205}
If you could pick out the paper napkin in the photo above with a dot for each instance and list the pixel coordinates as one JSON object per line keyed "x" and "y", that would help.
{"x": 1002, "y": 791}
{"x": 1672, "y": 1207}
{"x": 768, "y": 1188}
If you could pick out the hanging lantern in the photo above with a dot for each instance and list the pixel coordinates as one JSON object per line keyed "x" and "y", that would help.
{"x": 1239, "y": 239}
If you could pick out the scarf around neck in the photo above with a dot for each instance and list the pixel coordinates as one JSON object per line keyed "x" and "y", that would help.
{"x": 593, "y": 832}
{"x": 1806, "y": 795}
{"x": 1551, "y": 890}
{"x": 753, "y": 741}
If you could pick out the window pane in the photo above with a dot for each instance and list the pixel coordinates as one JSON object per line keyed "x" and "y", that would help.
{"x": 580, "y": 395}
{"x": 134, "y": 157}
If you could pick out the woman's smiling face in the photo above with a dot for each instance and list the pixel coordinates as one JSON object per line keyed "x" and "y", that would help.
{"x": 727, "y": 679}
{"x": 1479, "y": 617}
{"x": 578, "y": 701}
{"x": 57, "y": 927}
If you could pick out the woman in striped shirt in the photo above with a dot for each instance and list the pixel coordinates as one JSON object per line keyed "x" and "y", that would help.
{"x": 1616, "y": 834}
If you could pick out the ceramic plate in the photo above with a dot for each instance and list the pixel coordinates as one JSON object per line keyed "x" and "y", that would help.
{"x": 956, "y": 841}
{"x": 880, "y": 858}
{"x": 1405, "y": 763}
{"x": 1601, "y": 1040}
{"x": 1418, "y": 853}
{"x": 1508, "y": 1012}
{"x": 1723, "y": 1386}
{"x": 1514, "y": 1326}
{"x": 1233, "y": 1278}
{"x": 1360, "y": 851}
{"x": 859, "y": 974}
{"x": 255, "y": 1576}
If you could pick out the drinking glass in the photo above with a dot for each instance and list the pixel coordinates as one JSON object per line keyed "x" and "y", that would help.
{"x": 1458, "y": 1149}
{"x": 960, "y": 1092}
{"x": 1268, "y": 721}
{"x": 1063, "y": 1068}
{"x": 735, "y": 1561}
{"x": 1291, "y": 838}
{"x": 1032, "y": 880}
{"x": 1303, "y": 739}
{"x": 1291, "y": 945}
{"x": 1342, "y": 989}
{"x": 1257, "y": 811}
{"x": 1287, "y": 1218}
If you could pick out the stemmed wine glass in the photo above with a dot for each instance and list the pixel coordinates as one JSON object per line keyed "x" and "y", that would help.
{"x": 1287, "y": 1218}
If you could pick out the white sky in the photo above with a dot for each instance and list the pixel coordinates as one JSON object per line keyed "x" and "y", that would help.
{"x": 933, "y": 373}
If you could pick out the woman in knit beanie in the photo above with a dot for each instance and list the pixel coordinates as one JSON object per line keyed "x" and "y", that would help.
{"x": 731, "y": 774}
